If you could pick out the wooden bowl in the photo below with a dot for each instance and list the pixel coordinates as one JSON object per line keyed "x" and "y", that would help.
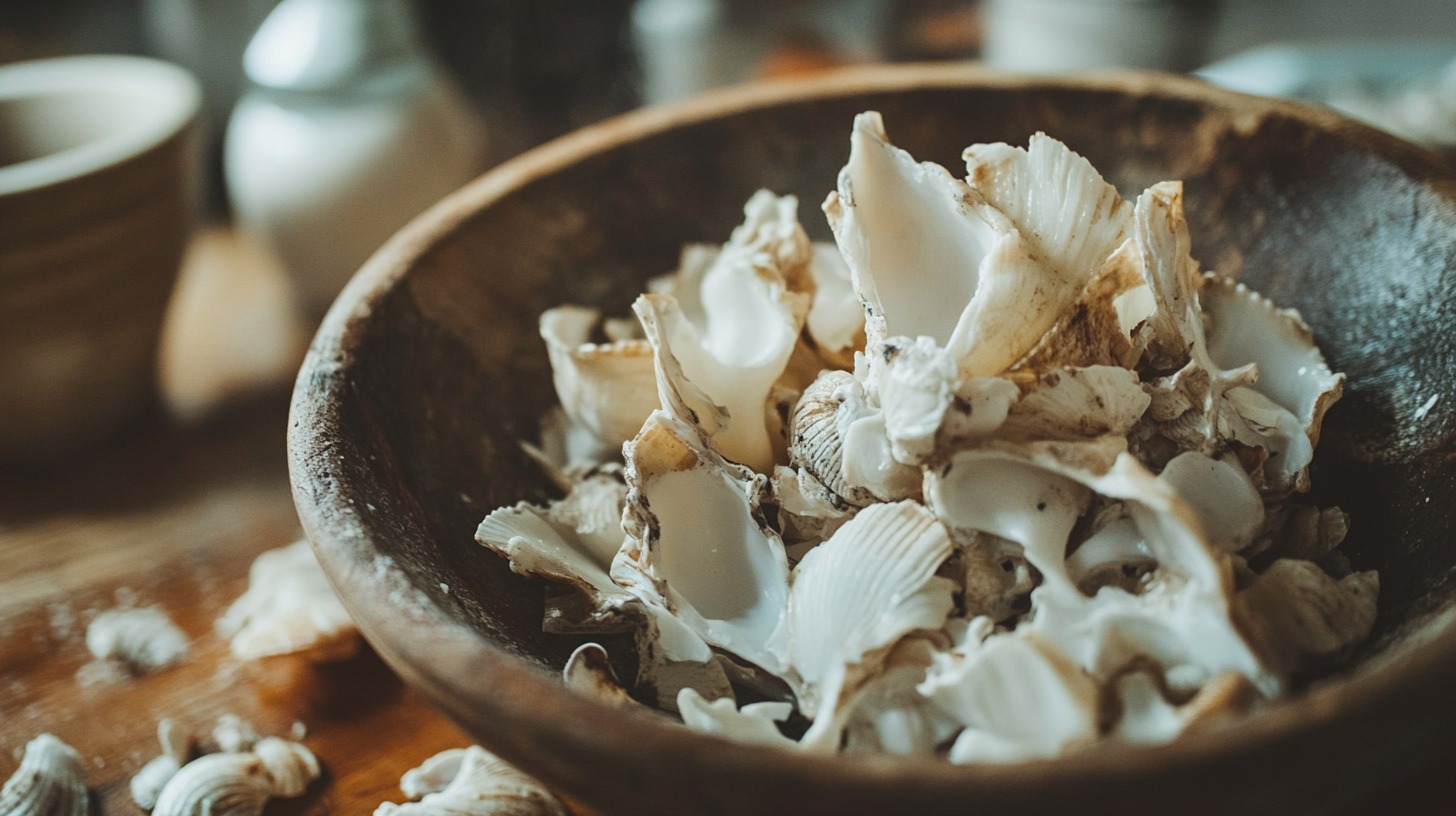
{"x": 428, "y": 370}
{"x": 95, "y": 209}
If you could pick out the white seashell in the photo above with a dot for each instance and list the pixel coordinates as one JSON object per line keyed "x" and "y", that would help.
{"x": 289, "y": 608}
{"x": 1220, "y": 494}
{"x": 836, "y": 319}
{"x": 1295, "y": 386}
{"x": 697, "y": 539}
{"x": 227, "y": 784}
{"x": 605, "y": 388}
{"x": 147, "y": 785}
{"x": 593, "y": 509}
{"x": 733, "y": 352}
{"x": 144, "y": 640}
{"x": 1294, "y": 611}
{"x": 853, "y": 597}
{"x": 993, "y": 491}
{"x": 914, "y": 381}
{"x": 472, "y": 782}
{"x": 930, "y": 258}
{"x": 49, "y": 782}
{"x": 589, "y": 671}
{"x": 1017, "y": 698}
{"x": 752, "y": 723}
{"x": 669, "y": 652}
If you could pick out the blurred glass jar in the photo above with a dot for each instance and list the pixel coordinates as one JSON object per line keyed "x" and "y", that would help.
{"x": 348, "y": 130}
{"x": 1056, "y": 36}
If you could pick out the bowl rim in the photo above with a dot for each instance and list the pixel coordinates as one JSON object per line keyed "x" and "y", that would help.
{"x": 499, "y": 680}
{"x": 175, "y": 99}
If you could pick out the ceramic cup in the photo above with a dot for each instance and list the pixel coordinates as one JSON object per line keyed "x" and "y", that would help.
{"x": 96, "y": 192}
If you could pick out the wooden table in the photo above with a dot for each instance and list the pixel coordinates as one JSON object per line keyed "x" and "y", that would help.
{"x": 172, "y": 514}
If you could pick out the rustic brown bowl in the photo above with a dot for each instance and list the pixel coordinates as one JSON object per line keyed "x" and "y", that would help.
{"x": 96, "y": 161}
{"x": 428, "y": 370}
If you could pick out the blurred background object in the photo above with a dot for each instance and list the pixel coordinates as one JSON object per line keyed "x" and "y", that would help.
{"x": 387, "y": 80}
{"x": 1057, "y": 36}
{"x": 96, "y": 201}
{"x": 347, "y": 131}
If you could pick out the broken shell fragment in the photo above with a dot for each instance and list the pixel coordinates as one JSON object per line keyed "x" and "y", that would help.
{"x": 144, "y": 640}
{"x": 589, "y": 671}
{"x": 289, "y": 608}
{"x": 751, "y": 723}
{"x": 854, "y": 596}
{"x": 472, "y": 782}
{"x": 148, "y": 782}
{"x": 49, "y": 782}
{"x": 605, "y": 388}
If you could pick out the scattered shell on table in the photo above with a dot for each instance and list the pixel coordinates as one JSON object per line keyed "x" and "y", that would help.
{"x": 144, "y": 640}
{"x": 238, "y": 784}
{"x": 148, "y": 782}
{"x": 49, "y": 782}
{"x": 471, "y": 782}
{"x": 1006, "y": 476}
{"x": 289, "y": 608}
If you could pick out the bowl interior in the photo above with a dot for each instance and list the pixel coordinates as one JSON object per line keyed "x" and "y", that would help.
{"x": 429, "y": 370}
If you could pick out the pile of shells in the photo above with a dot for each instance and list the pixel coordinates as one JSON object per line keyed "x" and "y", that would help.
{"x": 999, "y": 475}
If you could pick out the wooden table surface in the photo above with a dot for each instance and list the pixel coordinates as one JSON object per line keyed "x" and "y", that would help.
{"x": 172, "y": 514}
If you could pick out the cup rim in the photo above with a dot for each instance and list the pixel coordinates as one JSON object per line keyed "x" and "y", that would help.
{"x": 175, "y": 93}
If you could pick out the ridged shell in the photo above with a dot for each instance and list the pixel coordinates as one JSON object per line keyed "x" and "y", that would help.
{"x": 227, "y": 784}
{"x": 854, "y": 596}
{"x": 49, "y": 782}
{"x": 827, "y": 417}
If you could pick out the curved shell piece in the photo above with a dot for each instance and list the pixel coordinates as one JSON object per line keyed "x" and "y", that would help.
{"x": 991, "y": 491}
{"x": 1017, "y": 698}
{"x": 144, "y": 639}
{"x": 49, "y": 782}
{"x": 227, "y": 784}
{"x": 733, "y": 351}
{"x": 148, "y": 782}
{"x": 1220, "y": 494}
{"x": 472, "y": 782}
{"x": 836, "y": 319}
{"x": 1163, "y": 246}
{"x": 1098, "y": 328}
{"x": 854, "y": 596}
{"x": 697, "y": 539}
{"x": 606, "y": 388}
{"x": 1247, "y": 328}
{"x": 752, "y": 723}
{"x": 289, "y": 608}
